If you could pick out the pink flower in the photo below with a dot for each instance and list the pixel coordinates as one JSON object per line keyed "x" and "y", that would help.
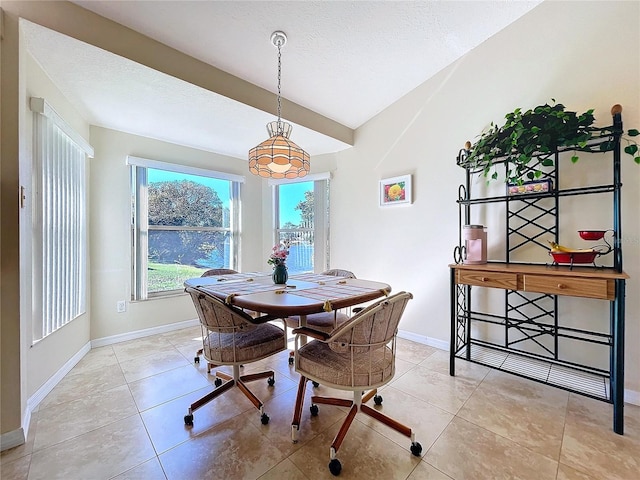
{"x": 279, "y": 254}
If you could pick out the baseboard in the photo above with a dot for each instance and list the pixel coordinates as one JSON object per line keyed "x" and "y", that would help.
{"x": 147, "y": 332}
{"x": 12, "y": 439}
{"x": 424, "y": 340}
{"x": 630, "y": 396}
{"x": 18, "y": 437}
{"x": 46, "y": 388}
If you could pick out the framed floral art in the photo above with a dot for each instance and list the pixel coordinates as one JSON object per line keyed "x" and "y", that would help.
{"x": 395, "y": 191}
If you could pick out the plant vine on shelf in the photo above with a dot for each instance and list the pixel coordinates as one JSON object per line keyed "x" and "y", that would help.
{"x": 537, "y": 134}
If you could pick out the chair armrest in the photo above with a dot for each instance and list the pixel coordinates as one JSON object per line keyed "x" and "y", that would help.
{"x": 310, "y": 332}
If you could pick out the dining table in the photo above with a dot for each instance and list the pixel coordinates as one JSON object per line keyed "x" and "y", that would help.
{"x": 302, "y": 294}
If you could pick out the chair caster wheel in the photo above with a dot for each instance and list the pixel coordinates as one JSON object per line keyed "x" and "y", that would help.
{"x": 314, "y": 410}
{"x": 416, "y": 449}
{"x": 217, "y": 382}
{"x": 315, "y": 384}
{"x": 188, "y": 420}
{"x": 335, "y": 467}
{"x": 196, "y": 359}
{"x": 264, "y": 419}
{"x": 377, "y": 399}
{"x": 271, "y": 381}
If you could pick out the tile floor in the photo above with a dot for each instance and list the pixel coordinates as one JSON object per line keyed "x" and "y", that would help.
{"x": 119, "y": 415}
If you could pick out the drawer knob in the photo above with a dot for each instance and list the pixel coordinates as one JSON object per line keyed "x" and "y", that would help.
{"x": 562, "y": 286}
{"x": 483, "y": 279}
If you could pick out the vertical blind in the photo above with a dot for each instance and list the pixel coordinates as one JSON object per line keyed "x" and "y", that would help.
{"x": 60, "y": 222}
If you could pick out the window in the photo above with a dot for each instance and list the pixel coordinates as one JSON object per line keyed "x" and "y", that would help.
{"x": 301, "y": 212}
{"x": 184, "y": 222}
{"x": 59, "y": 221}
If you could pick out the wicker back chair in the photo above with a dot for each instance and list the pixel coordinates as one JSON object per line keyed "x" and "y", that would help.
{"x": 323, "y": 321}
{"x": 218, "y": 271}
{"x": 359, "y": 355}
{"x": 232, "y": 337}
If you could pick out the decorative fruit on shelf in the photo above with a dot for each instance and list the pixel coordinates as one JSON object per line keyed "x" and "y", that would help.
{"x": 562, "y": 254}
{"x": 557, "y": 248}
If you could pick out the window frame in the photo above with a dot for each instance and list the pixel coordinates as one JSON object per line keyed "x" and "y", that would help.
{"x": 140, "y": 221}
{"x": 321, "y": 196}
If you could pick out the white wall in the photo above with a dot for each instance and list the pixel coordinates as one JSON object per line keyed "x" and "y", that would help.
{"x": 110, "y": 234}
{"x": 583, "y": 54}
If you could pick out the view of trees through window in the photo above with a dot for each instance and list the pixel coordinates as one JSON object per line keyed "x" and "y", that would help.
{"x": 296, "y": 224}
{"x": 189, "y": 227}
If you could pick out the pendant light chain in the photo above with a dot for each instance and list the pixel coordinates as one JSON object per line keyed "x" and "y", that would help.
{"x": 280, "y": 130}
{"x": 278, "y": 156}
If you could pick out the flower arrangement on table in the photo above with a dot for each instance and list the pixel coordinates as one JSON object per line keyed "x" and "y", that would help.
{"x": 279, "y": 254}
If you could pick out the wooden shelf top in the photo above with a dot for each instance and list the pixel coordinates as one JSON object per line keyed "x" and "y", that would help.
{"x": 544, "y": 269}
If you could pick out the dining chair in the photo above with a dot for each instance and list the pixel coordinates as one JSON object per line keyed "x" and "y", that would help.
{"x": 232, "y": 337}
{"x": 323, "y": 321}
{"x": 218, "y": 271}
{"x": 212, "y": 273}
{"x": 358, "y": 356}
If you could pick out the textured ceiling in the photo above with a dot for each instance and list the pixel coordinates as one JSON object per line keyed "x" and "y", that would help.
{"x": 347, "y": 61}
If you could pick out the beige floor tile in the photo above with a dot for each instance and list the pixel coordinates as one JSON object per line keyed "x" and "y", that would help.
{"x": 140, "y": 347}
{"x": 261, "y": 388}
{"x": 439, "y": 362}
{"x": 590, "y": 446}
{"x": 422, "y": 395}
{"x": 424, "y": 471}
{"x": 285, "y": 470}
{"x": 77, "y": 386}
{"x": 281, "y": 409}
{"x": 402, "y": 367}
{"x": 160, "y": 388}
{"x": 99, "y": 454}
{"x": 426, "y": 421}
{"x": 62, "y": 422}
{"x": 439, "y": 389}
{"x": 189, "y": 349}
{"x": 526, "y": 412}
{"x": 96, "y": 358}
{"x": 149, "y": 470}
{"x": 148, "y": 365}
{"x": 183, "y": 336}
{"x": 413, "y": 352}
{"x": 568, "y": 473}
{"x": 165, "y": 423}
{"x": 364, "y": 454}
{"x": 235, "y": 449}
{"x": 465, "y": 451}
{"x": 17, "y": 469}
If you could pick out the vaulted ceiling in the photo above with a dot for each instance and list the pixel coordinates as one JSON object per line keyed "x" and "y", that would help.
{"x": 346, "y": 60}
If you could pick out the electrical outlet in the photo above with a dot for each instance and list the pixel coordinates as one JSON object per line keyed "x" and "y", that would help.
{"x": 121, "y": 306}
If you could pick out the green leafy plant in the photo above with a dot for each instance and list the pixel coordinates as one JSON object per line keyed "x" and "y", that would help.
{"x": 529, "y": 140}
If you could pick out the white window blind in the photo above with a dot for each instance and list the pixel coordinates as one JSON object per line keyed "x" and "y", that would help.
{"x": 60, "y": 221}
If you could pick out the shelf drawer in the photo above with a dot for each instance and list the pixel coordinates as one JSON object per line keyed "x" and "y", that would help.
{"x": 576, "y": 287}
{"x": 508, "y": 281}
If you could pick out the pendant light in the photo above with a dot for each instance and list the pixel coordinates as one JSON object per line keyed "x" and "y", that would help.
{"x": 278, "y": 157}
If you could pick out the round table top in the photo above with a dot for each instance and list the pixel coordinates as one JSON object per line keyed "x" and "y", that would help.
{"x": 302, "y": 294}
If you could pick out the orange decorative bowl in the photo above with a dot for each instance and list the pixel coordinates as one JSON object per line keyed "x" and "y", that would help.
{"x": 591, "y": 234}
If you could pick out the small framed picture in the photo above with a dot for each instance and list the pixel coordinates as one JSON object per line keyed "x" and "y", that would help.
{"x": 395, "y": 191}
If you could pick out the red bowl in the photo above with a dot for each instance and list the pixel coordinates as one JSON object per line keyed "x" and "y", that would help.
{"x": 574, "y": 257}
{"x": 591, "y": 234}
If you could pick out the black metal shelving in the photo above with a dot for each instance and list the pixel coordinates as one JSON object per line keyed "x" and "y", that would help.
{"x": 532, "y": 337}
